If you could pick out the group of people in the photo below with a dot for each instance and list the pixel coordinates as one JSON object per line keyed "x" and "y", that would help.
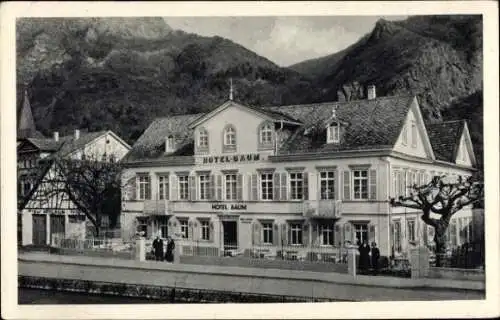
{"x": 368, "y": 257}
{"x": 158, "y": 249}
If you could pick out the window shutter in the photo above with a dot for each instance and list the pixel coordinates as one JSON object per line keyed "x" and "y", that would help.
{"x": 289, "y": 235}
{"x": 190, "y": 230}
{"x": 276, "y": 237}
{"x": 249, "y": 188}
{"x": 283, "y": 235}
{"x": 276, "y": 187}
{"x": 254, "y": 188}
{"x": 337, "y": 237}
{"x": 284, "y": 186}
{"x": 211, "y": 190}
{"x": 131, "y": 189}
{"x": 335, "y": 186}
{"x": 239, "y": 187}
{"x": 407, "y": 183}
{"x": 174, "y": 185}
{"x": 211, "y": 231}
{"x": 347, "y": 185}
{"x": 256, "y": 233}
{"x": 305, "y": 186}
{"x": 371, "y": 233}
{"x": 148, "y": 189}
{"x": 373, "y": 184}
{"x": 347, "y": 232}
{"x": 192, "y": 188}
{"x": 315, "y": 234}
{"x": 219, "y": 187}
{"x": 305, "y": 234}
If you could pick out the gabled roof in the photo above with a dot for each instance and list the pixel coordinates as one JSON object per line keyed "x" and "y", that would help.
{"x": 445, "y": 138}
{"x": 70, "y": 144}
{"x": 369, "y": 124}
{"x": 151, "y": 144}
{"x": 45, "y": 144}
{"x": 25, "y": 122}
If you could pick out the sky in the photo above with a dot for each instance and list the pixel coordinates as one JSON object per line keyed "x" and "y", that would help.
{"x": 285, "y": 40}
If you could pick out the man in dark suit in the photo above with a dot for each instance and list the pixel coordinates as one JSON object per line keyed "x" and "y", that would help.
{"x": 158, "y": 248}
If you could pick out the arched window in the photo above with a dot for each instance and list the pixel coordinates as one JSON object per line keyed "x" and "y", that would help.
{"x": 230, "y": 137}
{"x": 266, "y": 134}
{"x": 203, "y": 139}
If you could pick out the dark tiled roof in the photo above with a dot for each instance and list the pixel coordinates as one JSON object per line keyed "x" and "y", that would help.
{"x": 151, "y": 144}
{"x": 69, "y": 144}
{"x": 445, "y": 138}
{"x": 367, "y": 124}
{"x": 45, "y": 144}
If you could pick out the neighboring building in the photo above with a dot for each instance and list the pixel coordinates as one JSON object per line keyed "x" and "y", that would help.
{"x": 301, "y": 177}
{"x": 45, "y": 216}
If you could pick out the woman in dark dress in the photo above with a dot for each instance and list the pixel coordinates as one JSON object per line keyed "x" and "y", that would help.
{"x": 364, "y": 256}
{"x": 158, "y": 248}
{"x": 375, "y": 257}
{"x": 169, "y": 256}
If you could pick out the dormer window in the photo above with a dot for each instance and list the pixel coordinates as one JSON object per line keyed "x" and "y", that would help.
{"x": 169, "y": 144}
{"x": 203, "y": 139}
{"x": 333, "y": 133}
{"x": 266, "y": 134}
{"x": 404, "y": 138}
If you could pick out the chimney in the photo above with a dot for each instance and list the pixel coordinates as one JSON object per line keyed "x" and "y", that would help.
{"x": 77, "y": 134}
{"x": 372, "y": 94}
{"x": 56, "y": 136}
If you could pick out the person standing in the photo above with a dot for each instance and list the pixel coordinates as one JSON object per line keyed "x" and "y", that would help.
{"x": 158, "y": 248}
{"x": 364, "y": 256}
{"x": 169, "y": 256}
{"x": 375, "y": 257}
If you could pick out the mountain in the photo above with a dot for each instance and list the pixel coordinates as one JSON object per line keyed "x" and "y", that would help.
{"x": 438, "y": 58}
{"x": 119, "y": 74}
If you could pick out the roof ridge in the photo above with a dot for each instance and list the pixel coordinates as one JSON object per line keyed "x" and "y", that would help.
{"x": 318, "y": 104}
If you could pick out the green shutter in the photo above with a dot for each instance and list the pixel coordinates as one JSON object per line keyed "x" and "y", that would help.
{"x": 347, "y": 185}
{"x": 254, "y": 188}
{"x": 239, "y": 187}
{"x": 192, "y": 187}
{"x": 284, "y": 186}
{"x": 305, "y": 186}
{"x": 373, "y": 184}
{"x": 276, "y": 187}
{"x": 219, "y": 187}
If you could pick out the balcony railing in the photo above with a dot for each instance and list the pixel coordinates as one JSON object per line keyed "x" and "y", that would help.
{"x": 157, "y": 207}
{"x": 322, "y": 208}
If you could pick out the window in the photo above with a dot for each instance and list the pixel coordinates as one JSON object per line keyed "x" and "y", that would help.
{"x": 230, "y": 136}
{"x": 267, "y": 233}
{"x": 205, "y": 230}
{"x": 333, "y": 135}
{"x": 296, "y": 185}
{"x": 413, "y": 134}
{"x": 163, "y": 189}
{"x": 184, "y": 228}
{"x": 411, "y": 230}
{"x": 203, "y": 139}
{"x": 404, "y": 135}
{"x": 295, "y": 233}
{"x": 326, "y": 234}
{"x": 327, "y": 185}
{"x": 230, "y": 186}
{"x": 144, "y": 187}
{"x": 266, "y": 184}
{"x": 163, "y": 227}
{"x": 183, "y": 187}
{"x": 170, "y": 144}
{"x": 204, "y": 186}
{"x": 266, "y": 134}
{"x": 361, "y": 232}
{"x": 142, "y": 226}
{"x": 360, "y": 184}
{"x": 396, "y": 236}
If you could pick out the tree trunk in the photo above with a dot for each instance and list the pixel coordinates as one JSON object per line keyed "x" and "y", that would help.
{"x": 440, "y": 241}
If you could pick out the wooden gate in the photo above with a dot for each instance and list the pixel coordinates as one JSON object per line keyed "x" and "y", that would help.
{"x": 57, "y": 227}
{"x": 39, "y": 229}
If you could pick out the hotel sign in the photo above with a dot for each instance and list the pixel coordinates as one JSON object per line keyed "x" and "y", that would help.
{"x": 232, "y": 158}
{"x": 232, "y": 206}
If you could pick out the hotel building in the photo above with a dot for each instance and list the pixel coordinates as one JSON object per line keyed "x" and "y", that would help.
{"x": 299, "y": 176}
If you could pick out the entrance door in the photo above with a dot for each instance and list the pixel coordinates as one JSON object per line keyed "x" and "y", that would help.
{"x": 230, "y": 236}
{"x": 39, "y": 229}
{"x": 57, "y": 227}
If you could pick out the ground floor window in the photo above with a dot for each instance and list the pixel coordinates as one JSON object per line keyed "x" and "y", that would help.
{"x": 465, "y": 229}
{"x": 163, "y": 227}
{"x": 361, "y": 232}
{"x": 267, "y": 232}
{"x": 326, "y": 234}
{"x": 142, "y": 226}
{"x": 205, "y": 230}
{"x": 184, "y": 228}
{"x": 411, "y": 230}
{"x": 295, "y": 233}
{"x": 396, "y": 235}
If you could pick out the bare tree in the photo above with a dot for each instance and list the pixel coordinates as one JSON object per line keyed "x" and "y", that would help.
{"x": 91, "y": 185}
{"x": 439, "y": 200}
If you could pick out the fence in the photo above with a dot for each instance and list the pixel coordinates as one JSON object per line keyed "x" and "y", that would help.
{"x": 467, "y": 256}
{"x": 94, "y": 247}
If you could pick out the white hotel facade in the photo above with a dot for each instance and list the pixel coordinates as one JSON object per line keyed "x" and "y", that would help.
{"x": 303, "y": 176}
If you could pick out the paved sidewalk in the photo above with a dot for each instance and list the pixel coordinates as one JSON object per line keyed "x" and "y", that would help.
{"x": 360, "y": 280}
